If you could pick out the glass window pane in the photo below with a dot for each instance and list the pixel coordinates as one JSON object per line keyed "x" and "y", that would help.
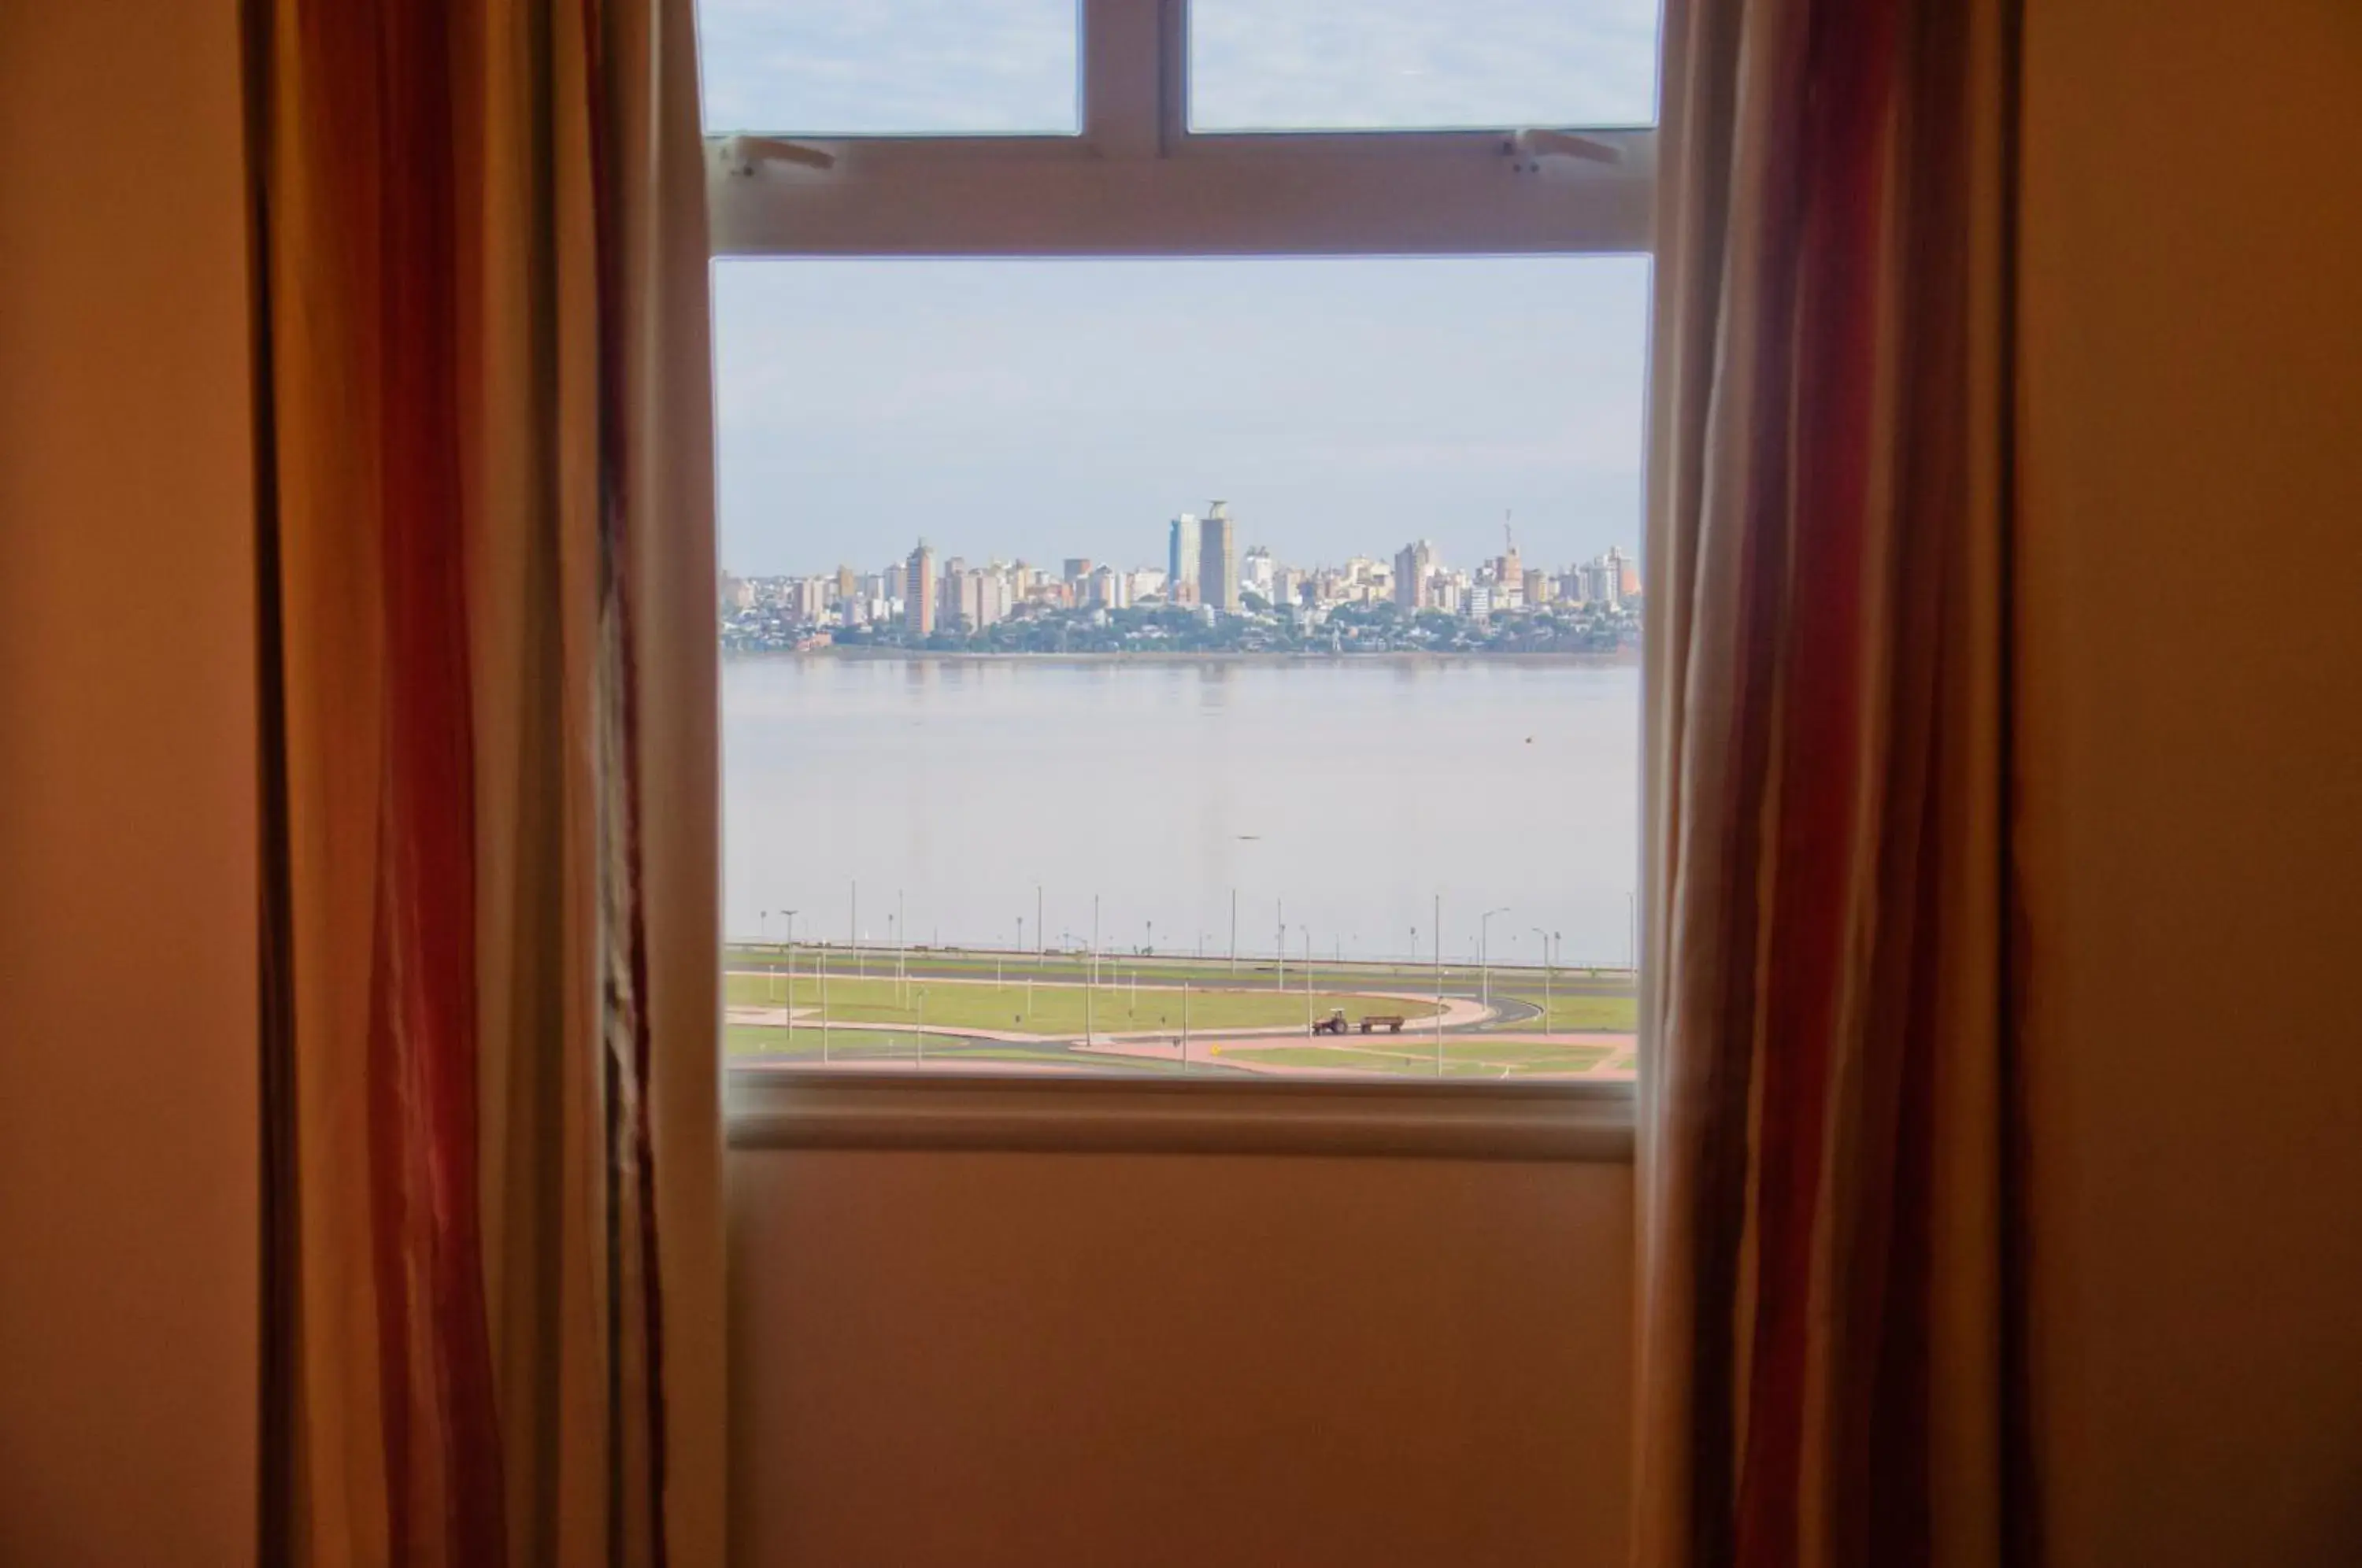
{"x": 1274, "y": 65}
{"x": 1227, "y": 667}
{"x": 889, "y": 67}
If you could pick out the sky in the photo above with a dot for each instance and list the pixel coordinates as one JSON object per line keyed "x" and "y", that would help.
{"x": 1054, "y": 408}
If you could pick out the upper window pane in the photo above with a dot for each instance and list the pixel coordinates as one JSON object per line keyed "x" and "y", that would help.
{"x": 889, "y": 67}
{"x": 1302, "y": 65}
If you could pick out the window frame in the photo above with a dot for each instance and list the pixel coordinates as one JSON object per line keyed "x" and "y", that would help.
{"x": 1136, "y": 180}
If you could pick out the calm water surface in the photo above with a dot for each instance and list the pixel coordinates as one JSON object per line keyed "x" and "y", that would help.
{"x": 1346, "y": 794}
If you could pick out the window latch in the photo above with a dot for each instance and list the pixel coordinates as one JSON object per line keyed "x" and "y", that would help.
{"x": 742, "y": 155}
{"x": 1527, "y": 148}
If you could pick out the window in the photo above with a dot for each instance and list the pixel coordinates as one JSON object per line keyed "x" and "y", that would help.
{"x": 1131, "y": 668}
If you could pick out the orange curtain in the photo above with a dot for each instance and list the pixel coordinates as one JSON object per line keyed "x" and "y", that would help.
{"x": 493, "y": 1296}
{"x": 1827, "y": 1277}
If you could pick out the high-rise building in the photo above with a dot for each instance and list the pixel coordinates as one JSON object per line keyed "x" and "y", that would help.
{"x": 1108, "y": 587}
{"x": 992, "y": 599}
{"x": 918, "y": 592}
{"x": 1603, "y": 580}
{"x": 1627, "y": 572}
{"x": 1509, "y": 570}
{"x": 1181, "y": 560}
{"x": 1537, "y": 588}
{"x": 1078, "y": 572}
{"x": 1218, "y": 559}
{"x": 847, "y": 587}
{"x": 1414, "y": 563}
{"x": 974, "y": 598}
{"x": 1256, "y": 572}
{"x": 949, "y": 614}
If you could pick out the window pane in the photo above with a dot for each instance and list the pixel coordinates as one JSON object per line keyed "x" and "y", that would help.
{"x": 889, "y": 67}
{"x": 1420, "y": 64}
{"x": 1106, "y": 640}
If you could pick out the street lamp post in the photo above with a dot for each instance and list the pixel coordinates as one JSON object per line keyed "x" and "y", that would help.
{"x": 1439, "y": 985}
{"x": 1538, "y": 931}
{"x": 791, "y": 980}
{"x": 1484, "y": 955}
{"x": 763, "y": 939}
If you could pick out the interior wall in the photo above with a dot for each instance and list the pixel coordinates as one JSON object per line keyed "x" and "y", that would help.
{"x": 2192, "y": 774}
{"x": 1069, "y": 1359}
{"x": 128, "y": 1183}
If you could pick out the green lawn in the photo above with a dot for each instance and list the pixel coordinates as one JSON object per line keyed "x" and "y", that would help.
{"x": 755, "y": 1040}
{"x": 1464, "y": 1056}
{"x": 1053, "y": 1009}
{"x": 885, "y": 1044}
{"x": 1254, "y": 972}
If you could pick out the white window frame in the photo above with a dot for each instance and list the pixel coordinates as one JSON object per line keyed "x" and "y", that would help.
{"x": 1136, "y": 180}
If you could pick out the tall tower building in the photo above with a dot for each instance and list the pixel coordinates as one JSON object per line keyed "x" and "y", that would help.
{"x": 1414, "y": 564}
{"x": 1218, "y": 559}
{"x": 918, "y": 592}
{"x": 1181, "y": 561}
{"x": 1509, "y": 571}
{"x": 1627, "y": 573}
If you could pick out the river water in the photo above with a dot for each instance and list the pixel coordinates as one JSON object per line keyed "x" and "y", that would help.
{"x": 1342, "y": 796}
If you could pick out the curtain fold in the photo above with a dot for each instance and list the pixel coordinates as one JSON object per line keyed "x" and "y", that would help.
{"x": 493, "y": 1301}
{"x": 1825, "y": 1369}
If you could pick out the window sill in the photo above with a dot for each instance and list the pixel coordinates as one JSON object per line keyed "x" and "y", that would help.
{"x": 789, "y": 1109}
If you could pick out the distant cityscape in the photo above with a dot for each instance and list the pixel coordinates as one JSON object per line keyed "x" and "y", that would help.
{"x": 1207, "y": 597}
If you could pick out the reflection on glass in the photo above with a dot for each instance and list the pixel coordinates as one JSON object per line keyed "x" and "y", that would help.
{"x": 889, "y": 67}
{"x": 1420, "y": 64}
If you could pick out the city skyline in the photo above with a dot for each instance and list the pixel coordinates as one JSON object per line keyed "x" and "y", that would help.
{"x": 1409, "y": 602}
{"x": 1185, "y": 552}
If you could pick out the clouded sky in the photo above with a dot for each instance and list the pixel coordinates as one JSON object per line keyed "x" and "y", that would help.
{"x": 1045, "y": 408}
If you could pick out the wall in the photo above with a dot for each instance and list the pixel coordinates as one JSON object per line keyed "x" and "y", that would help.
{"x": 126, "y": 955}
{"x": 1068, "y": 1359}
{"x": 2191, "y": 560}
